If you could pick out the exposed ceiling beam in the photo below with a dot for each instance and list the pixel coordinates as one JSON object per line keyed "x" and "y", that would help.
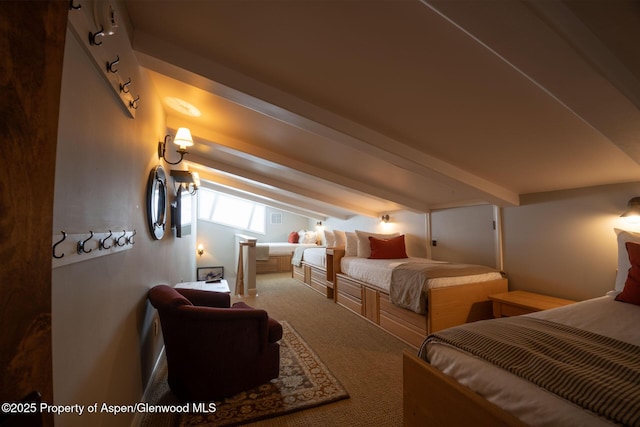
{"x": 258, "y": 199}
{"x": 224, "y": 82}
{"x": 263, "y": 194}
{"x": 326, "y": 204}
{"x": 261, "y": 154}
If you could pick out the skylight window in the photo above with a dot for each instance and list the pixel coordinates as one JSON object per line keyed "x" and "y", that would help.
{"x": 231, "y": 211}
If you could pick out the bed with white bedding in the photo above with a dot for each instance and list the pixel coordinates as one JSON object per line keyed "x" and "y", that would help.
{"x": 275, "y": 257}
{"x": 407, "y": 296}
{"x": 310, "y": 268}
{"x": 577, "y": 365}
{"x": 528, "y": 402}
{"x": 421, "y": 305}
{"x": 407, "y": 280}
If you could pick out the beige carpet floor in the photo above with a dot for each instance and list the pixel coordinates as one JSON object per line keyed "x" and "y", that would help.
{"x": 366, "y": 360}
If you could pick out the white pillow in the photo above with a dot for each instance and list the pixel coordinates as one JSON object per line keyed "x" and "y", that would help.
{"x": 351, "y": 245}
{"x": 364, "y": 245}
{"x": 301, "y": 235}
{"x": 623, "y": 257}
{"x": 341, "y": 239}
{"x": 310, "y": 237}
{"x": 329, "y": 238}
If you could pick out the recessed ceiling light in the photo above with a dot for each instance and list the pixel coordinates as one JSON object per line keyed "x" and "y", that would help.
{"x": 182, "y": 106}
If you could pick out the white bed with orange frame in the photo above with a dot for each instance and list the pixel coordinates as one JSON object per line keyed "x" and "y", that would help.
{"x": 452, "y": 387}
{"x": 464, "y": 299}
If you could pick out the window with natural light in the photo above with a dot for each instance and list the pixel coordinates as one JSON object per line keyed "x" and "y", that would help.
{"x": 231, "y": 211}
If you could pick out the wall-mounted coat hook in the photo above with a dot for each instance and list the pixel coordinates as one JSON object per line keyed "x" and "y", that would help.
{"x": 92, "y": 36}
{"x": 102, "y": 241}
{"x": 130, "y": 238}
{"x": 134, "y": 102}
{"x": 64, "y": 237}
{"x": 81, "y": 244}
{"x": 110, "y": 65}
{"x": 73, "y": 6}
{"x": 124, "y": 87}
{"x": 118, "y": 240}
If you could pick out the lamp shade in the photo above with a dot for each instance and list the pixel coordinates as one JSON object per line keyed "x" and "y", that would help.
{"x": 633, "y": 209}
{"x": 183, "y": 138}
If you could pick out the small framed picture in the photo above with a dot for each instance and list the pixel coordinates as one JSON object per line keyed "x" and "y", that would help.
{"x": 210, "y": 273}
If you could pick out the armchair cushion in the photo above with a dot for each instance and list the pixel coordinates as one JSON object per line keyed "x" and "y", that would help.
{"x": 274, "y": 327}
{"x": 206, "y": 298}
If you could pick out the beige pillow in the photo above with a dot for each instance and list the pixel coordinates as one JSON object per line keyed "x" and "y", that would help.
{"x": 351, "y": 245}
{"x": 364, "y": 245}
{"x": 329, "y": 238}
{"x": 341, "y": 239}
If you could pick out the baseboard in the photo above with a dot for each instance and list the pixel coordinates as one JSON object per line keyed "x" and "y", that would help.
{"x": 137, "y": 419}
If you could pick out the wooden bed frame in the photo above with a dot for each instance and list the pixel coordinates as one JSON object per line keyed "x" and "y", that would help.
{"x": 318, "y": 278}
{"x": 315, "y": 277}
{"x": 431, "y": 398}
{"x": 447, "y": 306}
{"x": 275, "y": 264}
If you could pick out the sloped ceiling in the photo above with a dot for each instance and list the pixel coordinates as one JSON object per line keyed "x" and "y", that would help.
{"x": 338, "y": 108}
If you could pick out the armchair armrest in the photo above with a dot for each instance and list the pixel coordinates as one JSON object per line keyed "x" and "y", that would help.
{"x": 206, "y": 298}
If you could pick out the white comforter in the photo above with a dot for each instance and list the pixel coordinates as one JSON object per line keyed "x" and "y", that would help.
{"x": 533, "y": 405}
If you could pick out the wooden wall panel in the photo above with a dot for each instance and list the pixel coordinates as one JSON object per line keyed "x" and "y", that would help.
{"x": 32, "y": 36}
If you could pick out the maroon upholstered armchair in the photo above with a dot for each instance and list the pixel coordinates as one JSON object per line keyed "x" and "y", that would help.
{"x": 213, "y": 350}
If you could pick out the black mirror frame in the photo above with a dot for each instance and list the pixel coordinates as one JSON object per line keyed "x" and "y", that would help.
{"x": 157, "y": 207}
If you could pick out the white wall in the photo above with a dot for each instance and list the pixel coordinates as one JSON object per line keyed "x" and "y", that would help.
{"x": 557, "y": 243}
{"x": 464, "y": 235}
{"x": 103, "y": 341}
{"x": 412, "y": 225}
{"x": 562, "y": 243}
{"x": 219, "y": 240}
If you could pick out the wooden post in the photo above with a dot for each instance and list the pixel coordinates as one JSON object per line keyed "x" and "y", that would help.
{"x": 240, "y": 275}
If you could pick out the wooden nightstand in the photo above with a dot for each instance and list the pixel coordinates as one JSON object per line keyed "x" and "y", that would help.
{"x": 515, "y": 303}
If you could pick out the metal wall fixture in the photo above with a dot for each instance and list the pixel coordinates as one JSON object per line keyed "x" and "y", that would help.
{"x": 71, "y": 248}
{"x": 186, "y": 180}
{"x": 632, "y": 213}
{"x": 98, "y": 30}
{"x": 182, "y": 139}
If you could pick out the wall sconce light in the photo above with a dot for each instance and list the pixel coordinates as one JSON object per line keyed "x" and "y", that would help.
{"x": 632, "y": 213}
{"x": 188, "y": 180}
{"x": 319, "y": 224}
{"x": 200, "y": 249}
{"x": 183, "y": 139}
{"x": 384, "y": 218}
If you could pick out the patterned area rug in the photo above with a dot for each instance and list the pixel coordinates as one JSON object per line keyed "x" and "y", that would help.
{"x": 304, "y": 382}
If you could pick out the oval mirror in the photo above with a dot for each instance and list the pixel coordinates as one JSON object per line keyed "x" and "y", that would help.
{"x": 157, "y": 202}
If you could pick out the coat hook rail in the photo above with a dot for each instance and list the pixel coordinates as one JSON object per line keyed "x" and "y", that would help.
{"x": 70, "y": 248}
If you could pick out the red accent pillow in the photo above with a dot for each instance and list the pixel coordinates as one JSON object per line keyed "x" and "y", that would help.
{"x": 293, "y": 237}
{"x": 631, "y": 291}
{"x": 387, "y": 248}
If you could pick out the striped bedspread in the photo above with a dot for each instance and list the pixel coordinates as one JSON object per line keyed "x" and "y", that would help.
{"x": 596, "y": 372}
